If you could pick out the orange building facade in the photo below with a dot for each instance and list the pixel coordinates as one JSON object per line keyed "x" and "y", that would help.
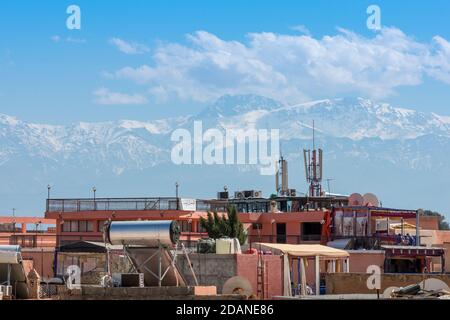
{"x": 83, "y": 219}
{"x": 37, "y": 238}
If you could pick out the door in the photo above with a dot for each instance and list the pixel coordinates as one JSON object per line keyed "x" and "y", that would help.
{"x": 281, "y": 232}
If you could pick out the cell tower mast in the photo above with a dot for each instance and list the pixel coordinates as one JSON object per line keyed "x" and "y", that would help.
{"x": 313, "y": 168}
{"x": 281, "y": 177}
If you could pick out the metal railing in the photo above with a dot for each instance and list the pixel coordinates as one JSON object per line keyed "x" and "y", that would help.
{"x": 291, "y": 239}
{"x": 29, "y": 240}
{"x": 127, "y": 204}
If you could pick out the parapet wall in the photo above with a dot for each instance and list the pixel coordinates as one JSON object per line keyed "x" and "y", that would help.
{"x": 216, "y": 269}
{"x": 347, "y": 283}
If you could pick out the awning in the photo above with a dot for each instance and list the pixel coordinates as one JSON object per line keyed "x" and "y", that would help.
{"x": 303, "y": 252}
{"x": 307, "y": 250}
{"x": 413, "y": 251}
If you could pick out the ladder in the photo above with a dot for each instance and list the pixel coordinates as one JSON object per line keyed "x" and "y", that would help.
{"x": 260, "y": 278}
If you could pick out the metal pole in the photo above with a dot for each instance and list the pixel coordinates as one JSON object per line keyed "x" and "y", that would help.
{"x": 48, "y": 197}
{"x": 328, "y": 184}
{"x": 94, "y": 189}
{"x": 9, "y": 275}
{"x": 176, "y": 194}
{"x": 189, "y": 263}
{"x": 317, "y": 267}
{"x": 42, "y": 262}
{"x": 190, "y": 229}
{"x": 402, "y": 227}
{"x": 14, "y": 224}
{"x": 418, "y": 213}
{"x": 159, "y": 265}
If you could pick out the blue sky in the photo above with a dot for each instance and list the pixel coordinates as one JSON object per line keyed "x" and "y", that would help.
{"x": 135, "y": 60}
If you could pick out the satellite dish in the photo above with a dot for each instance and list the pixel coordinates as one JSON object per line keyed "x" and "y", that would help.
{"x": 434, "y": 284}
{"x": 355, "y": 199}
{"x": 237, "y": 285}
{"x": 387, "y": 293}
{"x": 371, "y": 200}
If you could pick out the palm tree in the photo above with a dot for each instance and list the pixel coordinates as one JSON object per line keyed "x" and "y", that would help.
{"x": 225, "y": 226}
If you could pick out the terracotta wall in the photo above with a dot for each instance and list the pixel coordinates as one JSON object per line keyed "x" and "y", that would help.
{"x": 447, "y": 256}
{"x": 216, "y": 269}
{"x": 360, "y": 260}
{"x": 247, "y": 267}
{"x": 42, "y": 258}
{"x": 426, "y": 222}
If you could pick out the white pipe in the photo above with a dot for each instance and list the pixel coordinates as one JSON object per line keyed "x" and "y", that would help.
{"x": 317, "y": 268}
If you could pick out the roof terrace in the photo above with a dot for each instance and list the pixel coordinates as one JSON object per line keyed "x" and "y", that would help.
{"x": 283, "y": 204}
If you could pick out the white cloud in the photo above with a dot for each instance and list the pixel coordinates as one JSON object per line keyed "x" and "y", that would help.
{"x": 128, "y": 47}
{"x": 55, "y": 38}
{"x": 302, "y": 29}
{"x": 106, "y": 97}
{"x": 291, "y": 68}
{"x": 75, "y": 40}
{"x": 439, "y": 63}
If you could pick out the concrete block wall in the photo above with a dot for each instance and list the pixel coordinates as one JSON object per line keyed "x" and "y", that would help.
{"x": 210, "y": 269}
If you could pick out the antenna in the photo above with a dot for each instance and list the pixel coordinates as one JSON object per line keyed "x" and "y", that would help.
{"x": 314, "y": 167}
{"x": 314, "y": 140}
{"x": 328, "y": 184}
{"x": 281, "y": 177}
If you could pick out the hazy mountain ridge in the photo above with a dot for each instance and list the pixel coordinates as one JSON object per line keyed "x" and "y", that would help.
{"x": 366, "y": 145}
{"x": 144, "y": 144}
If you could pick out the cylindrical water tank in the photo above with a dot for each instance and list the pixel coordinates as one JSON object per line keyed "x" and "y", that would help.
{"x": 143, "y": 233}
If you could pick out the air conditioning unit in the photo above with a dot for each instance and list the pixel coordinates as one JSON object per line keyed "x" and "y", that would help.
{"x": 239, "y": 195}
{"x": 248, "y": 194}
{"x": 222, "y": 195}
{"x": 128, "y": 279}
{"x": 257, "y": 194}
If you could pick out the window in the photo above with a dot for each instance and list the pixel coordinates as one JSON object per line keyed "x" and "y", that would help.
{"x": 311, "y": 231}
{"x": 82, "y": 226}
{"x": 186, "y": 226}
{"x": 281, "y": 232}
{"x": 66, "y": 226}
{"x": 74, "y": 226}
{"x": 78, "y": 226}
{"x": 257, "y": 226}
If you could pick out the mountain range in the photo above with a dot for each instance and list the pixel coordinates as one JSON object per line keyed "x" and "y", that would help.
{"x": 399, "y": 154}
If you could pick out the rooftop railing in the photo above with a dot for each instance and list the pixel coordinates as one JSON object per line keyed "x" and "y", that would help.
{"x": 127, "y": 204}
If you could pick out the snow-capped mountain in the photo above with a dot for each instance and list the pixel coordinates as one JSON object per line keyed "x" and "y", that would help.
{"x": 114, "y": 145}
{"x": 395, "y": 152}
{"x": 353, "y": 118}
